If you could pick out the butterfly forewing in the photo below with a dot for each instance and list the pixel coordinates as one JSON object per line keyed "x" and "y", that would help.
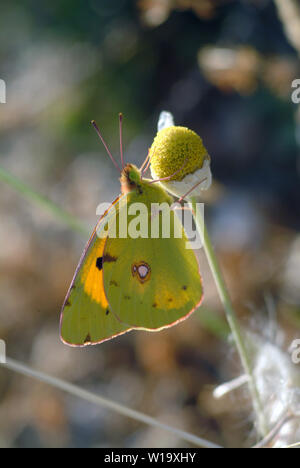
{"x": 86, "y": 317}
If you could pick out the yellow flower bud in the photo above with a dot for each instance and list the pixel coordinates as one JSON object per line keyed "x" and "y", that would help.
{"x": 180, "y": 151}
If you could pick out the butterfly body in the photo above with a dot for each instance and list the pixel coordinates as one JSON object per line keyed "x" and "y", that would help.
{"x": 126, "y": 282}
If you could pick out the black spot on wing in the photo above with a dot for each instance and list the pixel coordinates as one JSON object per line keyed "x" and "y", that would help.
{"x": 99, "y": 263}
{"x": 107, "y": 312}
{"x": 109, "y": 258}
{"x": 88, "y": 339}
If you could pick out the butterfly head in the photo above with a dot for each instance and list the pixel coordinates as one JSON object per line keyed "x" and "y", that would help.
{"x": 131, "y": 178}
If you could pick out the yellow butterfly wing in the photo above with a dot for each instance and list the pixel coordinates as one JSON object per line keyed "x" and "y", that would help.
{"x": 151, "y": 283}
{"x": 86, "y": 317}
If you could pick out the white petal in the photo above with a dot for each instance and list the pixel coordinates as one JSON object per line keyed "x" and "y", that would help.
{"x": 165, "y": 120}
{"x": 180, "y": 188}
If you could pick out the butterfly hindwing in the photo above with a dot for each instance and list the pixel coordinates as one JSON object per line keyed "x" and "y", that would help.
{"x": 151, "y": 283}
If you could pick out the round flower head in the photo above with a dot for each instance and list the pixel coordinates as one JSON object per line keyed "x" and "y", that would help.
{"x": 179, "y": 153}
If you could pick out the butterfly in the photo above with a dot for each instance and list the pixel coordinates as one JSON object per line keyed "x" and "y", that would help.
{"x": 124, "y": 283}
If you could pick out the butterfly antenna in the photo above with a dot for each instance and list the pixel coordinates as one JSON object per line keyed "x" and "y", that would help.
{"x": 121, "y": 138}
{"x": 144, "y": 164}
{"x": 191, "y": 190}
{"x": 142, "y": 168}
{"x": 148, "y": 161}
{"x": 105, "y": 145}
{"x": 170, "y": 177}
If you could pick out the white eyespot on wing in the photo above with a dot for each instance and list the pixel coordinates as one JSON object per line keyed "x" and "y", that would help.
{"x": 141, "y": 271}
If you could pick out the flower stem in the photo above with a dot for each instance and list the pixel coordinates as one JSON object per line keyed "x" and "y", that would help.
{"x": 27, "y": 192}
{"x": 237, "y": 333}
{"x": 105, "y": 402}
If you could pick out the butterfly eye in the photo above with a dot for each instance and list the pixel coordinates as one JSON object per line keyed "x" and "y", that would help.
{"x": 142, "y": 271}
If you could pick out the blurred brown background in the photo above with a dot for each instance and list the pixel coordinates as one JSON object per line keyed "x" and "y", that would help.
{"x": 225, "y": 69}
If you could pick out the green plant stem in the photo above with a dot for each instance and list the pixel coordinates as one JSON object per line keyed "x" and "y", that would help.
{"x": 42, "y": 201}
{"x": 105, "y": 402}
{"x": 237, "y": 333}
